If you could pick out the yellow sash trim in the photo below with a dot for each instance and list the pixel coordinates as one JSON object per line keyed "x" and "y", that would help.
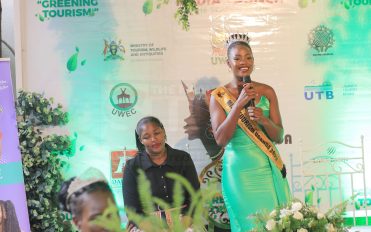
{"x": 226, "y": 100}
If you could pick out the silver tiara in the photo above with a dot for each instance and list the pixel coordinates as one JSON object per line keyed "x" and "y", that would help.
{"x": 239, "y": 37}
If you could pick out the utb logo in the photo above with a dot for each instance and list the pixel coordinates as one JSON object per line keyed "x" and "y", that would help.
{"x": 321, "y": 92}
{"x": 123, "y": 97}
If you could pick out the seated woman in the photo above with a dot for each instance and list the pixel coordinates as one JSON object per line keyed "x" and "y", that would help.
{"x": 90, "y": 201}
{"x": 156, "y": 159}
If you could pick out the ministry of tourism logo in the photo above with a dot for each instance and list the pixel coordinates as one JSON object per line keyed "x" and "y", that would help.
{"x": 112, "y": 50}
{"x": 123, "y": 98}
{"x": 321, "y": 39}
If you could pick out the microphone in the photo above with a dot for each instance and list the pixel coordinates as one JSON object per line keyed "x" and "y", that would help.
{"x": 247, "y": 79}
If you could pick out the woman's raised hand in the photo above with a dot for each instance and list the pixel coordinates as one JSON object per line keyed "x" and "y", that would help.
{"x": 247, "y": 93}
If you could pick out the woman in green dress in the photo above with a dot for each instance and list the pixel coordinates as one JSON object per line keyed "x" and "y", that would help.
{"x": 251, "y": 180}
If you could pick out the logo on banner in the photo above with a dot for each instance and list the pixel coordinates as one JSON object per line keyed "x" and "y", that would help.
{"x": 219, "y": 52}
{"x": 319, "y": 92}
{"x": 66, "y": 9}
{"x": 123, "y": 98}
{"x": 118, "y": 161}
{"x": 112, "y": 49}
{"x": 321, "y": 39}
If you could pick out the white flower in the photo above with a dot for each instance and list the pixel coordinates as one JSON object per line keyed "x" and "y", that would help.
{"x": 189, "y": 229}
{"x": 298, "y": 216}
{"x": 296, "y": 206}
{"x": 330, "y": 228}
{"x": 302, "y": 230}
{"x": 270, "y": 224}
{"x": 285, "y": 212}
{"x": 313, "y": 209}
{"x": 273, "y": 214}
{"x": 320, "y": 215}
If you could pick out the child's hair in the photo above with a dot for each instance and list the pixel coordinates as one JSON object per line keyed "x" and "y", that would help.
{"x": 71, "y": 202}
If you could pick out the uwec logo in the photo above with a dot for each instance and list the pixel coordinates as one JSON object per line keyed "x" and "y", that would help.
{"x": 123, "y": 98}
{"x": 319, "y": 92}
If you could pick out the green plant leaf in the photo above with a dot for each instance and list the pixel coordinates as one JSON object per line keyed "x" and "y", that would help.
{"x": 110, "y": 219}
{"x": 309, "y": 198}
{"x": 144, "y": 189}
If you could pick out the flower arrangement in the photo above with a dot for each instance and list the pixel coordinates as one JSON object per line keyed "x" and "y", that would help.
{"x": 301, "y": 217}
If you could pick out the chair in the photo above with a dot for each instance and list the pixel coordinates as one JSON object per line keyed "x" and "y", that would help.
{"x": 218, "y": 220}
{"x": 333, "y": 172}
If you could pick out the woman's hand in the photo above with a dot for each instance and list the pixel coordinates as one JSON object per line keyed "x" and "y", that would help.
{"x": 256, "y": 114}
{"x": 248, "y": 93}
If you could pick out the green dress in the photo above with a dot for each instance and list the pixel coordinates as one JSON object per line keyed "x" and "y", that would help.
{"x": 250, "y": 181}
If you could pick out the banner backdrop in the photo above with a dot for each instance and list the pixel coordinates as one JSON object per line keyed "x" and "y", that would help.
{"x": 112, "y": 62}
{"x": 13, "y": 203}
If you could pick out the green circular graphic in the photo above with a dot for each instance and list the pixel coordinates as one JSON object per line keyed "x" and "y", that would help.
{"x": 123, "y": 94}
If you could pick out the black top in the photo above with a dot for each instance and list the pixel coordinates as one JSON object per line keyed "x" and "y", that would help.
{"x": 177, "y": 161}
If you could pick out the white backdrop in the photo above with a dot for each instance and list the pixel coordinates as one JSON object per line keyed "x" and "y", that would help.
{"x": 315, "y": 54}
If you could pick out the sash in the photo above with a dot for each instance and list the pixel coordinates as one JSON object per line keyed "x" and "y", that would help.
{"x": 226, "y": 100}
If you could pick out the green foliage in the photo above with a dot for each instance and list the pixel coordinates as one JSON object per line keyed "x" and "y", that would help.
{"x": 42, "y": 158}
{"x": 185, "y": 8}
{"x": 194, "y": 218}
{"x": 150, "y": 222}
{"x": 110, "y": 219}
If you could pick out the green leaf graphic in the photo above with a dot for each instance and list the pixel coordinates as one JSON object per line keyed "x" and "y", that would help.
{"x": 41, "y": 18}
{"x": 77, "y": 49}
{"x": 148, "y": 7}
{"x": 82, "y": 148}
{"x": 72, "y": 62}
{"x": 346, "y": 5}
{"x": 303, "y": 3}
{"x": 83, "y": 62}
